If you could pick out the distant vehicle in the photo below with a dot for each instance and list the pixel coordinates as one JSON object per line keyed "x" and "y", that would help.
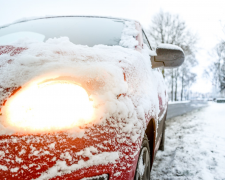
{"x": 220, "y": 100}
{"x": 210, "y": 99}
{"x": 88, "y": 106}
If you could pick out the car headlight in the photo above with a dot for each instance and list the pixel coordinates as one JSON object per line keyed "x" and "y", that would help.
{"x": 48, "y": 106}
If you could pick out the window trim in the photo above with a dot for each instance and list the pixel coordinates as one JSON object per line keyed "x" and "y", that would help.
{"x": 147, "y": 39}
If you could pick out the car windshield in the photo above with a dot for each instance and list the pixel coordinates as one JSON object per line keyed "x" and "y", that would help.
{"x": 88, "y": 31}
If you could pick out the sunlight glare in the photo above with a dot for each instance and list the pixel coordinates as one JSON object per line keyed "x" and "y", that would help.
{"x": 48, "y": 107}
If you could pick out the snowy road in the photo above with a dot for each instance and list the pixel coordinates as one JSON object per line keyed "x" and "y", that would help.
{"x": 195, "y": 146}
{"x": 178, "y": 109}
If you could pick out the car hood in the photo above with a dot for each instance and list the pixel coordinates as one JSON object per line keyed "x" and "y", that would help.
{"x": 123, "y": 87}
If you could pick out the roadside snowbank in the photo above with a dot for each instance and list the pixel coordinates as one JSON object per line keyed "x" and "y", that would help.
{"x": 194, "y": 146}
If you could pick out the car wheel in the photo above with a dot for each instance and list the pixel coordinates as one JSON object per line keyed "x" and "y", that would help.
{"x": 144, "y": 161}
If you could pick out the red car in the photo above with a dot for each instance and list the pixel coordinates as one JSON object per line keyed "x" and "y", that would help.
{"x": 81, "y": 98}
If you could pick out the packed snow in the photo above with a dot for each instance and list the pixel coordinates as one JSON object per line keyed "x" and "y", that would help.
{"x": 194, "y": 146}
{"x": 141, "y": 164}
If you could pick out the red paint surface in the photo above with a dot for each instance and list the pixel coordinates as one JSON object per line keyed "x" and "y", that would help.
{"x": 64, "y": 143}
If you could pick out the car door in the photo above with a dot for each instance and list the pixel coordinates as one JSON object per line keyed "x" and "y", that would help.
{"x": 162, "y": 105}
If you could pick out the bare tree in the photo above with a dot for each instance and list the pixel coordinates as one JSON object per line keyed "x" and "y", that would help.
{"x": 171, "y": 29}
{"x": 186, "y": 76}
{"x": 176, "y": 79}
{"x": 216, "y": 70}
{"x": 221, "y": 64}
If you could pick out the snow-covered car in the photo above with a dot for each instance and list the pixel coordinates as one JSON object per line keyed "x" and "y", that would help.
{"x": 220, "y": 100}
{"x": 81, "y": 98}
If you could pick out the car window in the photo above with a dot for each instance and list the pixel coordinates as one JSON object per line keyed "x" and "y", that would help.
{"x": 88, "y": 31}
{"x": 145, "y": 40}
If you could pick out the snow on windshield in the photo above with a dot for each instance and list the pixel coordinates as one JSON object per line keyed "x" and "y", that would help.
{"x": 88, "y": 31}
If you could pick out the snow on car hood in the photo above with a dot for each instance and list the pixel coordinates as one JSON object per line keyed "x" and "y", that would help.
{"x": 123, "y": 84}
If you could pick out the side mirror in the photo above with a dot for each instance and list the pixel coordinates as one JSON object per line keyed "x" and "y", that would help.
{"x": 168, "y": 56}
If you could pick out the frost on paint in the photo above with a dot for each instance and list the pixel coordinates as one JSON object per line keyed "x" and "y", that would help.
{"x": 123, "y": 87}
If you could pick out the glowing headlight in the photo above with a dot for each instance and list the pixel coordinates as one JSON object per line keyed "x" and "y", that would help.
{"x": 49, "y": 106}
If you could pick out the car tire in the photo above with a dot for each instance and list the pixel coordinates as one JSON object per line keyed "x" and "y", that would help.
{"x": 144, "y": 161}
{"x": 161, "y": 146}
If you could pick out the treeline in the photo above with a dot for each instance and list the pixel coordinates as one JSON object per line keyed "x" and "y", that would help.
{"x": 216, "y": 70}
{"x": 171, "y": 29}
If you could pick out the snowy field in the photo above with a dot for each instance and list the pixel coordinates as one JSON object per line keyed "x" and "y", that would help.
{"x": 195, "y": 146}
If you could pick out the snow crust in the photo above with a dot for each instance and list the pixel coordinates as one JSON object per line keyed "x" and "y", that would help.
{"x": 170, "y": 46}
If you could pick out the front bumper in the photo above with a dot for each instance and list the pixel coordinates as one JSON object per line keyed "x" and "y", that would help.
{"x": 37, "y": 156}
